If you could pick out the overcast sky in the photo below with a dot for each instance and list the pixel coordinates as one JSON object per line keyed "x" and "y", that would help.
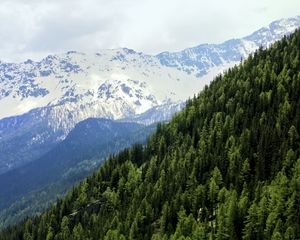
{"x": 35, "y": 28}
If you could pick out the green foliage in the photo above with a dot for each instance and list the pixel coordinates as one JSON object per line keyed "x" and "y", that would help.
{"x": 226, "y": 167}
{"x": 82, "y": 152}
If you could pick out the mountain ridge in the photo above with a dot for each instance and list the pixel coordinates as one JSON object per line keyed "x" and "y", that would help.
{"x": 62, "y": 90}
{"x": 91, "y": 140}
{"x": 194, "y": 62}
{"x": 225, "y": 167}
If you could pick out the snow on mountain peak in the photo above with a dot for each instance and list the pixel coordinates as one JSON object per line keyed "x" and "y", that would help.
{"x": 74, "y": 77}
{"x": 135, "y": 81}
{"x": 41, "y": 101}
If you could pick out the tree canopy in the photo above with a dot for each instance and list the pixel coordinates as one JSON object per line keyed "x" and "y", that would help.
{"x": 226, "y": 167}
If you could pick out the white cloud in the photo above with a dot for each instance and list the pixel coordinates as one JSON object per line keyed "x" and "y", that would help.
{"x": 34, "y": 28}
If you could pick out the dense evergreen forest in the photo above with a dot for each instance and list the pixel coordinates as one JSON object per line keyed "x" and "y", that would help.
{"x": 226, "y": 167}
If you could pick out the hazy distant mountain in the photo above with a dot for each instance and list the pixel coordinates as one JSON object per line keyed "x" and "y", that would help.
{"x": 89, "y": 143}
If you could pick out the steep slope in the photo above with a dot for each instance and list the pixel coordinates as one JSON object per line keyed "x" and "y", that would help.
{"x": 200, "y": 60}
{"x": 62, "y": 90}
{"x": 119, "y": 82}
{"x": 226, "y": 167}
{"x": 86, "y": 146}
{"x": 157, "y": 114}
{"x": 112, "y": 83}
{"x": 27, "y": 137}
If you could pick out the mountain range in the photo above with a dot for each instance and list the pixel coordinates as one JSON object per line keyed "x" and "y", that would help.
{"x": 225, "y": 167}
{"x": 42, "y": 101}
{"x": 60, "y": 117}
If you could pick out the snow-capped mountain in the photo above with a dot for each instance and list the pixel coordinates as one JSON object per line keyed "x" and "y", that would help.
{"x": 113, "y": 84}
{"x": 120, "y": 83}
{"x": 42, "y": 101}
{"x": 200, "y": 60}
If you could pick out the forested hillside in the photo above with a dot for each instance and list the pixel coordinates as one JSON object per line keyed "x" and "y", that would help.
{"x": 226, "y": 167}
{"x": 36, "y": 186}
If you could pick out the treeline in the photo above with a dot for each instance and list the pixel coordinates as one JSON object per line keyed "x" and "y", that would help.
{"x": 226, "y": 167}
